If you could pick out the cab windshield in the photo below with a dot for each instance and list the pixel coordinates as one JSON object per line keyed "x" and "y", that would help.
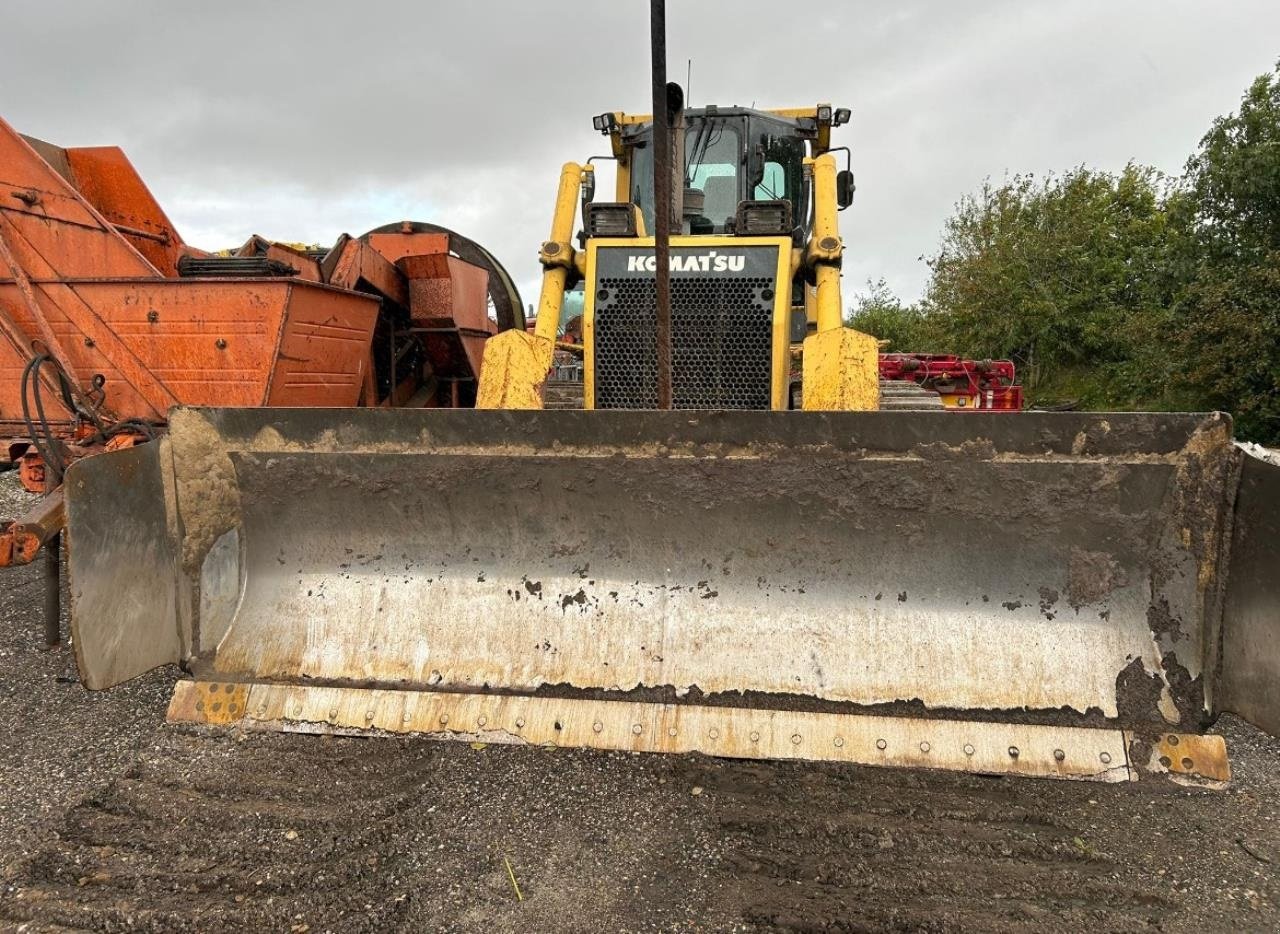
{"x": 715, "y": 157}
{"x": 712, "y": 161}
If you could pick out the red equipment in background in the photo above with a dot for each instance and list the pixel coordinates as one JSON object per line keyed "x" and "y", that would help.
{"x": 964, "y": 385}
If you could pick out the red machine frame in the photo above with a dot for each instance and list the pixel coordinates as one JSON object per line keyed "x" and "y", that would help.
{"x": 964, "y": 385}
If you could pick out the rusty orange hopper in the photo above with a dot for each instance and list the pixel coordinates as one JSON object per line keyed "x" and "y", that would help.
{"x": 96, "y": 282}
{"x": 104, "y": 300}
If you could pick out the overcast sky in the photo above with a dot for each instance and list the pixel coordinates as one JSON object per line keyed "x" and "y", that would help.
{"x": 303, "y": 120}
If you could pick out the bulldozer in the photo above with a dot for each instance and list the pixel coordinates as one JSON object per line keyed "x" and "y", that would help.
{"x": 721, "y": 552}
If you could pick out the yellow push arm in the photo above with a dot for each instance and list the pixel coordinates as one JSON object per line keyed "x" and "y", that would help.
{"x": 825, "y": 248}
{"x": 841, "y": 366}
{"x": 516, "y": 363}
{"x": 557, "y": 252}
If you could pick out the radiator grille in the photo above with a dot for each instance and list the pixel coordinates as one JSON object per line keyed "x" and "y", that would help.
{"x": 722, "y": 337}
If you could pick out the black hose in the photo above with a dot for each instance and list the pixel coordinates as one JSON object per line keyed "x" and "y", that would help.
{"x": 129, "y": 424}
{"x": 41, "y": 433}
{"x": 43, "y": 439}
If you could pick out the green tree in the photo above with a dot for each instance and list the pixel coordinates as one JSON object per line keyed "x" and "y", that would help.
{"x": 880, "y": 313}
{"x": 1226, "y": 323}
{"x": 1059, "y": 275}
{"x": 1124, "y": 290}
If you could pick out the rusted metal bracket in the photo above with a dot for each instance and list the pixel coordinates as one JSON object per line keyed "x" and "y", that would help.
{"x": 142, "y": 234}
{"x": 507, "y": 304}
{"x": 22, "y": 539}
{"x": 1186, "y": 756}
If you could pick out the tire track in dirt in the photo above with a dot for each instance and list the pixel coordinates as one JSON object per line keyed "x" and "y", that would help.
{"x": 207, "y": 832}
{"x": 214, "y": 832}
{"x": 821, "y": 848}
{"x": 148, "y": 850}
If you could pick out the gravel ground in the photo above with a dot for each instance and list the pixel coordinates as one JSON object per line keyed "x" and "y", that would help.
{"x": 112, "y": 821}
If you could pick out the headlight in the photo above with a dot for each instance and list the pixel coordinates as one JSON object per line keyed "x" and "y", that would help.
{"x": 611, "y": 219}
{"x": 763, "y": 219}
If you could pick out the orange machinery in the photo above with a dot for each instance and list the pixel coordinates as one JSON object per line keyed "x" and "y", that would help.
{"x": 107, "y": 318}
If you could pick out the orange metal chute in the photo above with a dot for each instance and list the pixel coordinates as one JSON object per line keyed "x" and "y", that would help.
{"x": 447, "y": 301}
{"x": 230, "y": 342}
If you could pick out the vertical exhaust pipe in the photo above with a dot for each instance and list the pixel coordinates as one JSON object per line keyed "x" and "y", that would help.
{"x": 661, "y": 195}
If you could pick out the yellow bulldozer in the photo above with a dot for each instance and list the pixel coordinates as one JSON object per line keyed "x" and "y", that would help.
{"x": 755, "y": 265}
{"x": 722, "y": 552}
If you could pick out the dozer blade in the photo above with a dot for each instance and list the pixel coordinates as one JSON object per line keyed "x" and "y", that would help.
{"x": 1033, "y": 594}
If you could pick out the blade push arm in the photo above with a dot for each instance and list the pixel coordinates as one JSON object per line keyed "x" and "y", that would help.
{"x": 841, "y": 365}
{"x": 516, "y": 362}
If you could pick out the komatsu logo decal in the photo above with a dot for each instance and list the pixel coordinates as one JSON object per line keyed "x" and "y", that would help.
{"x": 730, "y": 261}
{"x": 711, "y": 261}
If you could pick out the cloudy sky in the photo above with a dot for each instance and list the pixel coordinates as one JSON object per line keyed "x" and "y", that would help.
{"x": 303, "y": 120}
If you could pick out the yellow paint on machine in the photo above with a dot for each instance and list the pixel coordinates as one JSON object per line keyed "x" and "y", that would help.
{"x": 841, "y": 366}
{"x": 515, "y": 363}
{"x": 841, "y": 371}
{"x": 780, "y": 365}
{"x": 514, "y": 369}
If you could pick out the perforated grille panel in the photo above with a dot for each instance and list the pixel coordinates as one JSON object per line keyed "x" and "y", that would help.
{"x": 722, "y": 330}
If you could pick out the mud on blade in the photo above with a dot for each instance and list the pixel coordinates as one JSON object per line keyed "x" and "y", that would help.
{"x": 1050, "y": 567}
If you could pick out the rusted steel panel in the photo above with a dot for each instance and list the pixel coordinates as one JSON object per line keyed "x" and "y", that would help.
{"x": 472, "y": 348}
{"x": 360, "y": 268}
{"x": 79, "y": 242}
{"x": 303, "y": 265}
{"x": 23, "y": 205}
{"x": 56, "y": 156}
{"x": 307, "y": 267}
{"x": 396, "y": 246}
{"x": 444, "y": 291}
{"x": 21, "y": 343}
{"x": 91, "y": 346}
{"x": 44, "y": 249}
{"x": 12, "y": 363}
{"x": 160, "y": 342}
{"x": 801, "y": 558}
{"x": 105, "y": 176}
{"x": 324, "y": 349}
{"x": 448, "y": 301}
{"x": 413, "y": 238}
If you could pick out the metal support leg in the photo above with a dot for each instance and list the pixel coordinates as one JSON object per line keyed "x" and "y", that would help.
{"x": 53, "y": 591}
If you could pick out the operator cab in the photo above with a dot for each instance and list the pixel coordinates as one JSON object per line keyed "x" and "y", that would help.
{"x": 730, "y": 156}
{"x": 743, "y": 170}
